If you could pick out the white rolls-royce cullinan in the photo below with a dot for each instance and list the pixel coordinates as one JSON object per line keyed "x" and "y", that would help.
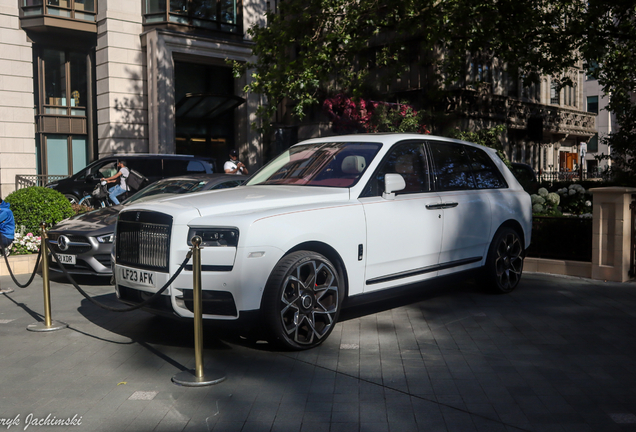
{"x": 329, "y": 219}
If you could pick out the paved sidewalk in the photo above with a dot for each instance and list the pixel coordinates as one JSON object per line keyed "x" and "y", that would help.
{"x": 558, "y": 354}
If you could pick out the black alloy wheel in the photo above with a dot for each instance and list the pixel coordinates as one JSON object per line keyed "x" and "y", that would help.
{"x": 302, "y": 300}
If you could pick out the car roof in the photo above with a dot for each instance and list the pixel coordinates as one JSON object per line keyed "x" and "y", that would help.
{"x": 387, "y": 138}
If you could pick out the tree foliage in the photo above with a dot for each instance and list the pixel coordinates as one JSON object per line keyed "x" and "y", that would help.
{"x": 609, "y": 47}
{"x": 312, "y": 49}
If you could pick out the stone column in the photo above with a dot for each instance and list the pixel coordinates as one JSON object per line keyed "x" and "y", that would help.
{"x": 611, "y": 234}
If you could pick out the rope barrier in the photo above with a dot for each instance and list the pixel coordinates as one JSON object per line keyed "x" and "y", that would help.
{"x": 6, "y": 260}
{"x": 128, "y": 309}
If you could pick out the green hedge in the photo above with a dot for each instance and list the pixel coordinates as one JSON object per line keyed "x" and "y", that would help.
{"x": 564, "y": 238}
{"x": 37, "y": 204}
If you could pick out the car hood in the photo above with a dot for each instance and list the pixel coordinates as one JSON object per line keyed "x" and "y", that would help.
{"x": 95, "y": 222}
{"x": 243, "y": 200}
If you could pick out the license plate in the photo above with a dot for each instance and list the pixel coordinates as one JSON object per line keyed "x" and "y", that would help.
{"x": 137, "y": 277}
{"x": 64, "y": 259}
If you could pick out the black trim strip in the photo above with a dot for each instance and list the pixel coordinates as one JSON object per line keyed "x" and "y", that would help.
{"x": 211, "y": 268}
{"x": 423, "y": 270}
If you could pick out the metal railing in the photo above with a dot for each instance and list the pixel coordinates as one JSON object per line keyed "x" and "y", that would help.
{"x": 555, "y": 176}
{"x": 27, "y": 180}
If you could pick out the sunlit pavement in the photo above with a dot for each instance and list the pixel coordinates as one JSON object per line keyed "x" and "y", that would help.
{"x": 558, "y": 354}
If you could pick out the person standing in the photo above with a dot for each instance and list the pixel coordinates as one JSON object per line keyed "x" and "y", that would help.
{"x": 121, "y": 188}
{"x": 7, "y": 232}
{"x": 234, "y": 166}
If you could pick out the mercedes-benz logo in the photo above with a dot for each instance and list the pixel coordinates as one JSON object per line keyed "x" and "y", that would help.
{"x": 63, "y": 243}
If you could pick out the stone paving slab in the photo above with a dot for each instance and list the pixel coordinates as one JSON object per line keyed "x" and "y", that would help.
{"x": 557, "y": 354}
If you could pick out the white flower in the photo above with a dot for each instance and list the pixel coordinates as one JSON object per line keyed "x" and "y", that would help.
{"x": 543, "y": 192}
{"x": 536, "y": 199}
{"x": 553, "y": 199}
{"x": 588, "y": 203}
{"x": 537, "y": 208}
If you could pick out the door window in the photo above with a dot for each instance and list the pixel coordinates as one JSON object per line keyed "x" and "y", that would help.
{"x": 452, "y": 166}
{"x": 408, "y": 160}
{"x": 487, "y": 175}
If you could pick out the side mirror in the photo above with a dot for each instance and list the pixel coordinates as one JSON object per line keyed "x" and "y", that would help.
{"x": 89, "y": 178}
{"x": 392, "y": 183}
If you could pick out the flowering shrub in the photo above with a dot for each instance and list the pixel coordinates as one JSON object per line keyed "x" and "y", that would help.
{"x": 574, "y": 200}
{"x": 24, "y": 244}
{"x": 545, "y": 203}
{"x": 350, "y": 115}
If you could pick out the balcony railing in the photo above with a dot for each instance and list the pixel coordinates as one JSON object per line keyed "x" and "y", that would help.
{"x": 516, "y": 113}
{"x": 27, "y": 180}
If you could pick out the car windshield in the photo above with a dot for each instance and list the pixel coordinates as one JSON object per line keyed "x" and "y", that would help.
{"x": 333, "y": 164}
{"x": 172, "y": 187}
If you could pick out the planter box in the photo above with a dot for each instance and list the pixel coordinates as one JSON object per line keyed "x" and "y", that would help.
{"x": 20, "y": 264}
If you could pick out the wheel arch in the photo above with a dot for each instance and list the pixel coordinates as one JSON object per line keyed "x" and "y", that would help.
{"x": 330, "y": 253}
{"x": 515, "y": 225}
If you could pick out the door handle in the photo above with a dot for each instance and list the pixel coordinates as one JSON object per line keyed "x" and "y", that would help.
{"x": 449, "y": 205}
{"x": 441, "y": 206}
{"x": 434, "y": 206}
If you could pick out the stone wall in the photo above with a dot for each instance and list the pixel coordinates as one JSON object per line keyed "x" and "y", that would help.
{"x": 17, "y": 124}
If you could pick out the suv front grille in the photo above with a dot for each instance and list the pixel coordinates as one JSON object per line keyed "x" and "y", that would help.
{"x": 143, "y": 240}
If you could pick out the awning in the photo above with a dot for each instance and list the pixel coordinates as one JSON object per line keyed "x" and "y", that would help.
{"x": 206, "y": 106}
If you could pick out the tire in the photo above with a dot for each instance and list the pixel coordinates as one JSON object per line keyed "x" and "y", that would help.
{"x": 302, "y": 300}
{"x": 72, "y": 198}
{"x": 504, "y": 264}
{"x": 87, "y": 201}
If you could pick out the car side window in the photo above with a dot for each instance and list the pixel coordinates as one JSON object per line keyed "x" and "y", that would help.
{"x": 174, "y": 167}
{"x": 452, "y": 166}
{"x": 150, "y": 167}
{"x": 107, "y": 170}
{"x": 407, "y": 160}
{"x": 487, "y": 175}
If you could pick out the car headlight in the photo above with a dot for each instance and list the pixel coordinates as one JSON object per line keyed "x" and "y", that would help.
{"x": 215, "y": 236}
{"x": 106, "y": 238}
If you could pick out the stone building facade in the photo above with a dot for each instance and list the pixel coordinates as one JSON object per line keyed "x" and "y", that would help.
{"x": 82, "y": 79}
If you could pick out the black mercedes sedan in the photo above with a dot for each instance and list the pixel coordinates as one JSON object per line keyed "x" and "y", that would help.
{"x": 83, "y": 243}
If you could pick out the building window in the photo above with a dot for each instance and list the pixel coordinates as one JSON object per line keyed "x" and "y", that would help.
{"x": 63, "y": 120}
{"x": 555, "y": 93}
{"x": 62, "y": 154}
{"x": 65, "y": 85}
{"x": 592, "y": 104}
{"x": 511, "y": 81}
{"x": 592, "y": 144}
{"x": 221, "y": 15}
{"x": 76, "y": 9}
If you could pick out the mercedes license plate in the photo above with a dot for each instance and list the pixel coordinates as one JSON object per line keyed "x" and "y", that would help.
{"x": 64, "y": 258}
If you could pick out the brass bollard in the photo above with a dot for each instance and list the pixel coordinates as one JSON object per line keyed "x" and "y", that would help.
{"x": 47, "y": 324}
{"x": 197, "y": 377}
